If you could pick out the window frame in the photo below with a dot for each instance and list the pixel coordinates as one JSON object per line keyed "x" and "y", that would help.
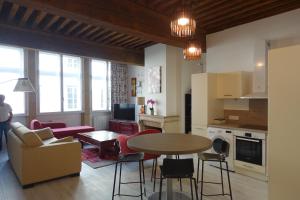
{"x": 62, "y": 110}
{"x": 25, "y": 74}
{"x": 108, "y": 65}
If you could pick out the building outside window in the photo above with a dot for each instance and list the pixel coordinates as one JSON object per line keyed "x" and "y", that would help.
{"x": 12, "y": 68}
{"x": 101, "y": 85}
{"x": 60, "y": 82}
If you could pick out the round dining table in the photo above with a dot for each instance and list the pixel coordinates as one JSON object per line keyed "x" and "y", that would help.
{"x": 169, "y": 144}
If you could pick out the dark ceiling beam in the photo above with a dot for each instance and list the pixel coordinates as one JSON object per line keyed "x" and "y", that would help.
{"x": 13, "y": 12}
{"x": 241, "y": 9}
{"x": 51, "y": 22}
{"x": 26, "y": 16}
{"x": 271, "y": 10}
{"x": 54, "y": 42}
{"x": 120, "y": 16}
{"x": 198, "y": 11}
{"x": 81, "y": 31}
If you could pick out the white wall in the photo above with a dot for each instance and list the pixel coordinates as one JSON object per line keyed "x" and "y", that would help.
{"x": 137, "y": 72}
{"x": 156, "y": 56}
{"x": 234, "y": 49}
{"x": 176, "y": 79}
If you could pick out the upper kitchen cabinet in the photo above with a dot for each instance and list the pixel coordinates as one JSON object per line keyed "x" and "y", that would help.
{"x": 233, "y": 85}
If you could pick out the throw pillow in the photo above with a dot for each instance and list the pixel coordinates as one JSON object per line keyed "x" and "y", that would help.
{"x": 65, "y": 139}
{"x": 28, "y": 137}
{"x": 44, "y": 133}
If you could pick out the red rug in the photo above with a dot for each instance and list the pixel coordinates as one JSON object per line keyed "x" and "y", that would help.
{"x": 90, "y": 156}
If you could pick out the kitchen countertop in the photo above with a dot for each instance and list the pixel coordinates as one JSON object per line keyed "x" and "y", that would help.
{"x": 253, "y": 128}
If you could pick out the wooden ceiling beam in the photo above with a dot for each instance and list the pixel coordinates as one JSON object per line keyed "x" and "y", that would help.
{"x": 83, "y": 30}
{"x": 51, "y": 22}
{"x": 211, "y": 7}
{"x": 26, "y": 16}
{"x": 106, "y": 36}
{"x": 63, "y": 24}
{"x": 117, "y": 42}
{"x": 241, "y": 9}
{"x": 90, "y": 33}
{"x": 109, "y": 40}
{"x": 272, "y": 9}
{"x": 38, "y": 19}
{"x": 76, "y": 25}
{"x": 54, "y": 42}
{"x": 132, "y": 44}
{"x": 120, "y": 16}
{"x": 13, "y": 11}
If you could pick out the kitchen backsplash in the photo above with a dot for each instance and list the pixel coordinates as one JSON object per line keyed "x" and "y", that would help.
{"x": 256, "y": 115}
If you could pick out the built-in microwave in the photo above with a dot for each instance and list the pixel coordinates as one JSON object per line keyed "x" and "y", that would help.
{"x": 250, "y": 151}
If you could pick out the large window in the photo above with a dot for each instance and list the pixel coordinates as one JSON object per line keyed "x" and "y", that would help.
{"x": 101, "y": 85}
{"x": 60, "y": 82}
{"x": 12, "y": 68}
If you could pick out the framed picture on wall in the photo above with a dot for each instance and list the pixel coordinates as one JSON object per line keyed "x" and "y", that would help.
{"x": 133, "y": 87}
{"x": 154, "y": 80}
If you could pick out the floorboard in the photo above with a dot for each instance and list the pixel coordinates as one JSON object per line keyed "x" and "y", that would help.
{"x": 96, "y": 184}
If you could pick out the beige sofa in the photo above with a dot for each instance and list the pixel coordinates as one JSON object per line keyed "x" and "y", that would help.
{"x": 37, "y": 155}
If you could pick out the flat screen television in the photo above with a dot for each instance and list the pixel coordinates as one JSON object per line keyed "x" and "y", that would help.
{"x": 124, "y": 111}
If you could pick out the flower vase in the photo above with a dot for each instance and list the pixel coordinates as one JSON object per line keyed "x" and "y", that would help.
{"x": 152, "y": 111}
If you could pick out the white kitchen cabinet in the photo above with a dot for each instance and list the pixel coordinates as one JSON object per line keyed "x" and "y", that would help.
{"x": 205, "y": 105}
{"x": 198, "y": 130}
{"x": 233, "y": 85}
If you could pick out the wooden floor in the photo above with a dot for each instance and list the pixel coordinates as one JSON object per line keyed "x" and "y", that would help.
{"x": 96, "y": 184}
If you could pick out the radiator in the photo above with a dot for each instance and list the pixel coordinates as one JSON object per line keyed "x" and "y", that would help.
{"x": 100, "y": 121}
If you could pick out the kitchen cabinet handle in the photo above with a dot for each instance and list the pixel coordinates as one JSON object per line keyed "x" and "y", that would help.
{"x": 250, "y": 140}
{"x": 227, "y": 95}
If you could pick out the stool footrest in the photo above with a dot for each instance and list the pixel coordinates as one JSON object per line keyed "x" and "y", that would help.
{"x": 211, "y": 195}
{"x": 209, "y": 182}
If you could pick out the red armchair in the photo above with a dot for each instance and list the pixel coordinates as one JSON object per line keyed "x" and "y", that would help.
{"x": 125, "y": 150}
{"x": 60, "y": 129}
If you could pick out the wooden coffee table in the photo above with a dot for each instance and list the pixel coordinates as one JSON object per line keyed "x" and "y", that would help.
{"x": 102, "y": 139}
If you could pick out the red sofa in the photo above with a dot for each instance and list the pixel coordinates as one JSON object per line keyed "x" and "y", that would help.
{"x": 60, "y": 129}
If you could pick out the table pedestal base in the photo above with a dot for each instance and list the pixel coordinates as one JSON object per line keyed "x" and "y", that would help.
{"x": 175, "y": 196}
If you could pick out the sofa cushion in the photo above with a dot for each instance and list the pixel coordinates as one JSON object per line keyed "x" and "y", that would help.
{"x": 65, "y": 139}
{"x": 28, "y": 137}
{"x": 35, "y": 124}
{"x": 71, "y": 131}
{"x": 44, "y": 133}
{"x": 15, "y": 125}
{"x": 49, "y": 141}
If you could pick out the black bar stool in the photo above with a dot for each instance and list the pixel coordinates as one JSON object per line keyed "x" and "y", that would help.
{"x": 178, "y": 169}
{"x": 214, "y": 158}
{"x": 136, "y": 157}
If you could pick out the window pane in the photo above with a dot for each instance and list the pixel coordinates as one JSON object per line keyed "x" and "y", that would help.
{"x": 99, "y": 85}
{"x": 12, "y": 67}
{"x": 49, "y": 82}
{"x": 72, "y": 83}
{"x": 109, "y": 86}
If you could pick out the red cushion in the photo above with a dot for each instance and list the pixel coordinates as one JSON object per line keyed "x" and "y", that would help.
{"x": 35, "y": 124}
{"x": 71, "y": 131}
{"x": 53, "y": 125}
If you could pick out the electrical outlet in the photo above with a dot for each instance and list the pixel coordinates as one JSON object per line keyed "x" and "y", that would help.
{"x": 234, "y": 117}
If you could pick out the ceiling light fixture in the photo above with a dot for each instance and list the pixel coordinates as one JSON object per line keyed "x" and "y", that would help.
{"x": 182, "y": 23}
{"x": 192, "y": 51}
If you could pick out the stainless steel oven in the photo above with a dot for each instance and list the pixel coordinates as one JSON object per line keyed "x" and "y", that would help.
{"x": 250, "y": 151}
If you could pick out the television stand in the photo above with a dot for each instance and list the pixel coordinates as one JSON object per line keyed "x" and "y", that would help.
{"x": 123, "y": 126}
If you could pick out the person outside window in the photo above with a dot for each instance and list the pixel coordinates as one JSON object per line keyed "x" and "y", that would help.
{"x": 5, "y": 118}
